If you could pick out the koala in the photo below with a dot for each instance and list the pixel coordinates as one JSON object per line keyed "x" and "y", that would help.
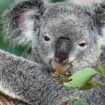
{"x": 58, "y": 33}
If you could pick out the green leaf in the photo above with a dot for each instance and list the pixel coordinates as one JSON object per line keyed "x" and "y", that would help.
{"x": 80, "y": 102}
{"x": 102, "y": 69}
{"x": 80, "y": 78}
{"x": 87, "y": 86}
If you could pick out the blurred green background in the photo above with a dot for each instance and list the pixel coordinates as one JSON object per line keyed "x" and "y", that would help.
{"x": 18, "y": 50}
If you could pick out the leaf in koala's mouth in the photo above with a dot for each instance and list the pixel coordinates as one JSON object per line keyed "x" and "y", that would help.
{"x": 64, "y": 79}
{"x": 65, "y": 68}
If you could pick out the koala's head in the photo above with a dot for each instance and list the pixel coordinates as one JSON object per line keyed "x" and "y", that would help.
{"x": 58, "y": 33}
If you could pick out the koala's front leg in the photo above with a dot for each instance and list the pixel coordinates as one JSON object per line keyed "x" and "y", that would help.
{"x": 29, "y": 82}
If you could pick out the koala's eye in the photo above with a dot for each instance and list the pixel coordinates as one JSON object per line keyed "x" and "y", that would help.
{"x": 82, "y": 45}
{"x": 46, "y": 38}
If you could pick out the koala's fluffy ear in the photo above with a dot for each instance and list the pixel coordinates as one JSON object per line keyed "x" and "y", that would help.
{"x": 21, "y": 21}
{"x": 100, "y": 13}
{"x": 99, "y": 16}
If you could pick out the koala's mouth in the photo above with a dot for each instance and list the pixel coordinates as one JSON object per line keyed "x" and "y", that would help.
{"x": 58, "y": 66}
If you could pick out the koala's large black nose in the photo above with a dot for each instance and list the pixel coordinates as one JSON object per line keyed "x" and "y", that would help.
{"x": 63, "y": 46}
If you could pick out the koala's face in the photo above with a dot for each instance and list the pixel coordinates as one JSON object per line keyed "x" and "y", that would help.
{"x": 65, "y": 37}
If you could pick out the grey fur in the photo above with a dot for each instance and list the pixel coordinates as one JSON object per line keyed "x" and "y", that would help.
{"x": 31, "y": 83}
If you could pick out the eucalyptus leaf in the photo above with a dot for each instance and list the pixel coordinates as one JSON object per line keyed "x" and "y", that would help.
{"x": 87, "y": 86}
{"x": 80, "y": 102}
{"x": 80, "y": 78}
{"x": 102, "y": 69}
